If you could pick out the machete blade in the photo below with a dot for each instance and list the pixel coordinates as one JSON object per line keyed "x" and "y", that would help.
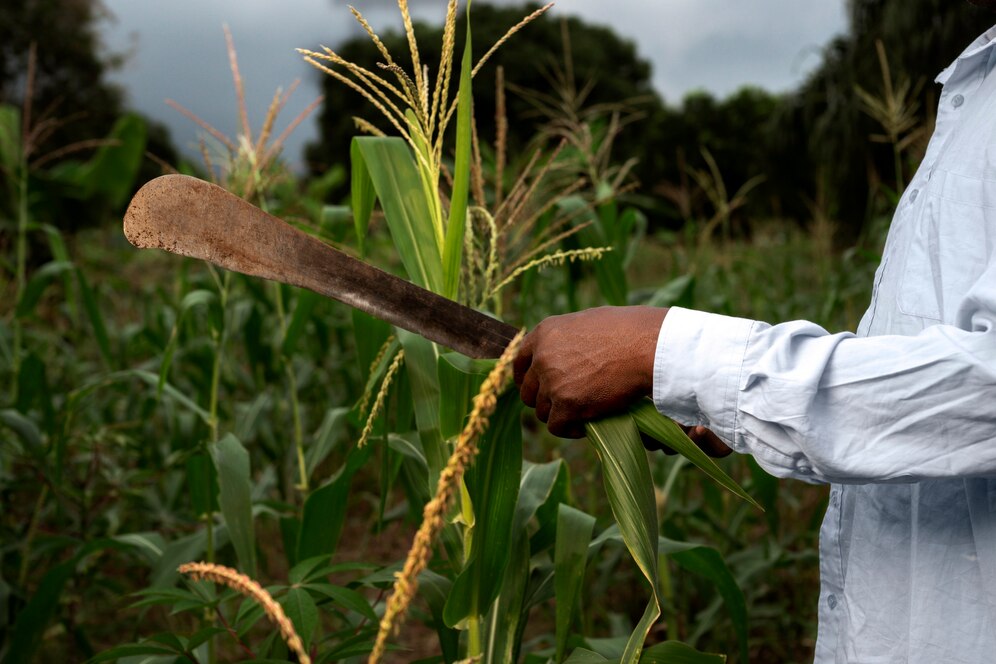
{"x": 191, "y": 217}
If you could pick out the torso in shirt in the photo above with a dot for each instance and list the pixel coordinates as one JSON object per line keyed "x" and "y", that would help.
{"x": 930, "y": 595}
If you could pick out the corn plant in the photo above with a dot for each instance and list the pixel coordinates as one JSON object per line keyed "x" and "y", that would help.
{"x": 430, "y": 226}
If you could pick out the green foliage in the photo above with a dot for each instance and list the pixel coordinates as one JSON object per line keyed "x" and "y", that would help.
{"x": 161, "y": 412}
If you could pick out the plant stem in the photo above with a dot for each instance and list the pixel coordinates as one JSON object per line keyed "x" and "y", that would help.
{"x": 30, "y": 536}
{"x": 213, "y": 427}
{"x": 302, "y": 481}
{"x": 22, "y": 269}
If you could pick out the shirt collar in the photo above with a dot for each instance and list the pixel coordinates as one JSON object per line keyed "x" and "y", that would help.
{"x": 984, "y": 42}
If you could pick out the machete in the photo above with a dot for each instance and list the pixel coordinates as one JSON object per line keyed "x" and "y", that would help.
{"x": 187, "y": 216}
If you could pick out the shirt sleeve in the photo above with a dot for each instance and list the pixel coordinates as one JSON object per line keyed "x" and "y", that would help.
{"x": 839, "y": 408}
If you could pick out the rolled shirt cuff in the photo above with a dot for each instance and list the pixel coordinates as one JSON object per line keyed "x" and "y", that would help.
{"x": 697, "y": 369}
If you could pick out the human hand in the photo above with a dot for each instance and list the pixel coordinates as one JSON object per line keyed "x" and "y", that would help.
{"x": 583, "y": 366}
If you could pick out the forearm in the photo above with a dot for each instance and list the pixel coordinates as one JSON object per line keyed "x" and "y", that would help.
{"x": 834, "y": 408}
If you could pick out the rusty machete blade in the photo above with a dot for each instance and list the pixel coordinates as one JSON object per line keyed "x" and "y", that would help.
{"x": 191, "y": 217}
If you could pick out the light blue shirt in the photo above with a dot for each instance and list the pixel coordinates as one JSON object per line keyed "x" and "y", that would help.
{"x": 899, "y": 418}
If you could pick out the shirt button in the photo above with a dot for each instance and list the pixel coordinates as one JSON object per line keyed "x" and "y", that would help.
{"x": 804, "y": 469}
{"x": 832, "y": 601}
{"x": 913, "y": 195}
{"x": 957, "y": 100}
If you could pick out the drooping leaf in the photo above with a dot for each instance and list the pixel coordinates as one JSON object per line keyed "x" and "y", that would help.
{"x": 651, "y": 422}
{"x": 675, "y": 652}
{"x": 112, "y": 170}
{"x": 574, "y": 530}
{"x": 708, "y": 563}
{"x": 629, "y": 488}
{"x": 37, "y": 284}
{"x": 392, "y": 169}
{"x": 325, "y": 510}
{"x": 231, "y": 462}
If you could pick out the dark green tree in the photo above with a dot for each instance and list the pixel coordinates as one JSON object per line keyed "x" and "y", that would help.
{"x": 531, "y": 60}
{"x": 821, "y": 132}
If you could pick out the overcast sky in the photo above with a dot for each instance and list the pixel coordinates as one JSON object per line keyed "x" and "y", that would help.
{"x": 177, "y": 48}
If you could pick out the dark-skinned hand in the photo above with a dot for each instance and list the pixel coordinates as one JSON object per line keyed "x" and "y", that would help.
{"x": 586, "y": 365}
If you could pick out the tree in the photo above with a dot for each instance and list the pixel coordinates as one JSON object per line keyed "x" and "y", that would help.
{"x": 70, "y": 76}
{"x": 530, "y": 60}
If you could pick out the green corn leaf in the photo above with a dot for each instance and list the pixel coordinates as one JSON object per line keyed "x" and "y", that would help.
{"x": 193, "y": 299}
{"x": 93, "y": 312}
{"x": 395, "y": 176}
{"x": 362, "y": 196}
{"x": 332, "y": 431}
{"x": 574, "y": 530}
{"x": 26, "y": 430}
{"x": 349, "y": 599}
{"x": 675, "y": 652}
{"x": 32, "y": 620}
{"x": 457, "y": 223}
{"x": 504, "y": 623}
{"x": 231, "y": 462}
{"x": 585, "y": 656}
{"x": 113, "y": 168}
{"x": 629, "y": 487}
{"x": 493, "y": 484}
{"x": 460, "y": 379}
{"x": 10, "y": 141}
{"x": 709, "y": 564}
{"x": 37, "y": 284}
{"x": 135, "y": 650}
{"x": 421, "y": 364}
{"x": 325, "y": 509}
{"x": 305, "y": 305}
{"x": 651, "y": 422}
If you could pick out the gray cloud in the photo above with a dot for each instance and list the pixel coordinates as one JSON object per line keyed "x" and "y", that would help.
{"x": 179, "y": 50}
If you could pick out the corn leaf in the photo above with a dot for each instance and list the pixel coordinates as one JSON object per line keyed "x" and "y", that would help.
{"x": 574, "y": 530}
{"x": 37, "y": 285}
{"x": 629, "y": 488}
{"x": 709, "y": 564}
{"x": 504, "y": 624}
{"x": 675, "y": 652}
{"x": 325, "y": 509}
{"x": 96, "y": 317}
{"x": 421, "y": 362}
{"x": 460, "y": 378}
{"x": 651, "y": 422}
{"x": 114, "y": 167}
{"x": 231, "y": 462}
{"x": 493, "y": 484}
{"x": 453, "y": 248}
{"x": 303, "y": 308}
{"x": 395, "y": 177}
{"x": 362, "y": 195}
{"x": 10, "y": 142}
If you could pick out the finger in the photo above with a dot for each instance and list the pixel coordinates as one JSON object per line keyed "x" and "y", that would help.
{"x": 709, "y": 442}
{"x": 543, "y": 408}
{"x": 562, "y": 426}
{"x": 529, "y": 388}
{"x": 523, "y": 360}
{"x": 654, "y": 445}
